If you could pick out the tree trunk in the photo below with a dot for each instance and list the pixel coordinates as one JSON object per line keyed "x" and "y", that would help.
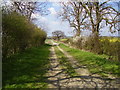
{"x": 78, "y": 33}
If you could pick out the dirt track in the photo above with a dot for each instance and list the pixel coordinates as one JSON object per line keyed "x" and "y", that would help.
{"x": 57, "y": 78}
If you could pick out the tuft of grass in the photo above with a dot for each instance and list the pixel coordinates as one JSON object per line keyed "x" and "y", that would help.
{"x": 65, "y": 63}
{"x": 95, "y": 63}
{"x": 27, "y": 69}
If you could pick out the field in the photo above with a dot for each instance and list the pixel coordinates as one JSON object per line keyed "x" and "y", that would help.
{"x": 111, "y": 39}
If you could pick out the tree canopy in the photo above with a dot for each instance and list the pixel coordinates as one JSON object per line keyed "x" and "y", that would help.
{"x": 58, "y": 34}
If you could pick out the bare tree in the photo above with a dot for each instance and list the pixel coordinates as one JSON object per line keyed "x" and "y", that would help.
{"x": 58, "y": 34}
{"x": 75, "y": 14}
{"x": 28, "y": 8}
{"x": 101, "y": 13}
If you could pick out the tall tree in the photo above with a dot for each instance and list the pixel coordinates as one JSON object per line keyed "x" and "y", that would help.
{"x": 101, "y": 13}
{"x": 75, "y": 14}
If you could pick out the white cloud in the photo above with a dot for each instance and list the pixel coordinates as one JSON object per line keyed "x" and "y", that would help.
{"x": 52, "y": 11}
{"x": 58, "y": 0}
{"x": 5, "y": 2}
{"x": 39, "y": 17}
{"x": 35, "y": 15}
{"x": 59, "y": 25}
{"x": 56, "y": 4}
{"x": 51, "y": 23}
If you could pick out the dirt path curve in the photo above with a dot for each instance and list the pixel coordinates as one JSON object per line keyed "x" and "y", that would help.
{"x": 57, "y": 78}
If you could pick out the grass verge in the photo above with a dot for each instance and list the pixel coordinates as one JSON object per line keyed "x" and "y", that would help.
{"x": 95, "y": 63}
{"x": 64, "y": 62}
{"x": 27, "y": 69}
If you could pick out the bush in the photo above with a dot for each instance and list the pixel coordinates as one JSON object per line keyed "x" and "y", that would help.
{"x": 19, "y": 34}
{"x": 93, "y": 44}
{"x": 99, "y": 45}
{"x": 78, "y": 43}
{"x": 110, "y": 48}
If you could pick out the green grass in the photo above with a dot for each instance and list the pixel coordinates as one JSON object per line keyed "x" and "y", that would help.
{"x": 27, "y": 69}
{"x": 65, "y": 63}
{"x": 95, "y": 63}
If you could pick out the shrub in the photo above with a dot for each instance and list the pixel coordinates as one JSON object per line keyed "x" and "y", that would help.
{"x": 110, "y": 48}
{"x": 93, "y": 44}
{"x": 19, "y": 34}
{"x": 99, "y": 45}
